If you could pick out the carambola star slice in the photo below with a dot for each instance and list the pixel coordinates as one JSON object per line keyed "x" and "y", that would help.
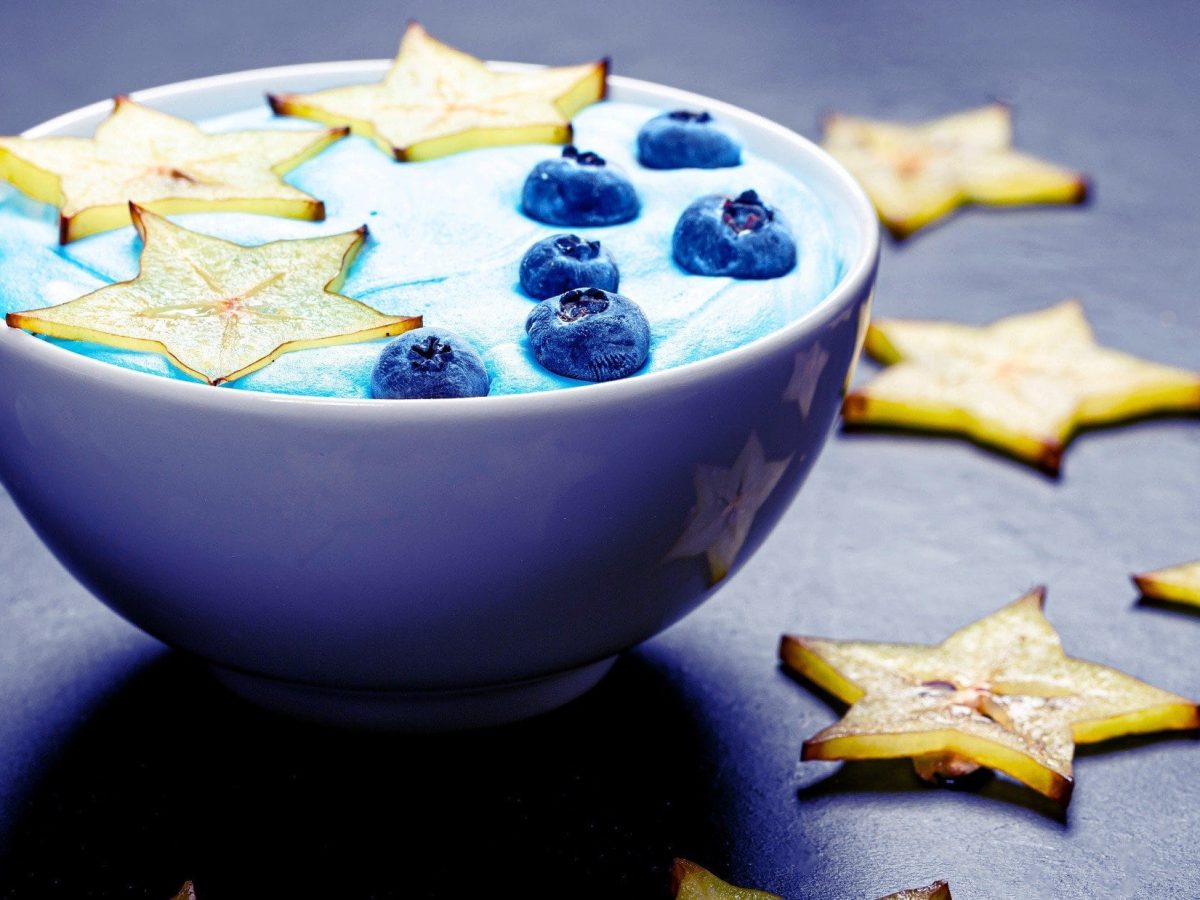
{"x": 939, "y": 890}
{"x": 1022, "y": 385}
{"x": 162, "y": 163}
{"x": 1178, "y": 584}
{"x": 692, "y": 882}
{"x": 437, "y": 100}
{"x": 219, "y": 310}
{"x": 915, "y": 174}
{"x": 999, "y": 693}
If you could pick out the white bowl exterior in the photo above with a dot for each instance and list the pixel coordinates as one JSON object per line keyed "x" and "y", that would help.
{"x": 423, "y": 545}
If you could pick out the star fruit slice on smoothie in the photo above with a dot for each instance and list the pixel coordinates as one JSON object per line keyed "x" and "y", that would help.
{"x": 1178, "y": 584}
{"x": 917, "y": 173}
{"x": 165, "y": 164}
{"x": 1022, "y": 385}
{"x": 692, "y": 882}
{"x": 437, "y": 100}
{"x": 220, "y": 310}
{"x": 998, "y": 693}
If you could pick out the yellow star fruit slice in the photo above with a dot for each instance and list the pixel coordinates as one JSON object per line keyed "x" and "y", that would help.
{"x": 939, "y": 890}
{"x": 1178, "y": 584}
{"x": 998, "y": 693}
{"x": 219, "y": 310}
{"x": 437, "y": 100}
{"x": 162, "y": 163}
{"x": 915, "y": 174}
{"x": 692, "y": 882}
{"x": 1022, "y": 385}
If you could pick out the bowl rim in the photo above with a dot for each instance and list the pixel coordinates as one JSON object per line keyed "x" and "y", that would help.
{"x": 855, "y": 279}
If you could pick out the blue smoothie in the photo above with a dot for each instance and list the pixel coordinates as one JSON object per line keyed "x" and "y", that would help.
{"x": 447, "y": 237}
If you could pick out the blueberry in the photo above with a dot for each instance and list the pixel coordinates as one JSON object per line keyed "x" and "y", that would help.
{"x": 428, "y": 363}
{"x": 590, "y": 334}
{"x": 564, "y": 261}
{"x": 740, "y": 237}
{"x": 687, "y": 140}
{"x": 578, "y": 189}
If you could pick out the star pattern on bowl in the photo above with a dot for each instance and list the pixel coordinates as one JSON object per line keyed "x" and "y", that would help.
{"x": 727, "y": 501}
{"x": 806, "y": 373}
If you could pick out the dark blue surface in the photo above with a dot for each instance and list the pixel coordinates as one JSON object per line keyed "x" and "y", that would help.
{"x": 123, "y": 769}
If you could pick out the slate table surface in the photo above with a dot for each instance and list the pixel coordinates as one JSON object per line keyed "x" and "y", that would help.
{"x": 124, "y": 769}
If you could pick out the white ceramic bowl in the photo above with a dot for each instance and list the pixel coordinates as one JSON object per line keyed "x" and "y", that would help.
{"x": 431, "y": 564}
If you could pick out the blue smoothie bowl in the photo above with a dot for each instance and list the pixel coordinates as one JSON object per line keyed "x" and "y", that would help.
{"x": 429, "y": 564}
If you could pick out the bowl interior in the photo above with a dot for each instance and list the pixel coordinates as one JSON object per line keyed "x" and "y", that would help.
{"x": 852, "y": 217}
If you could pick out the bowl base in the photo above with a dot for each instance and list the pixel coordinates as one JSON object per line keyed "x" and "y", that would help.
{"x": 416, "y": 710}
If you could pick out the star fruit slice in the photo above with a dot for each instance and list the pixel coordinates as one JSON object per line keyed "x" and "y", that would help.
{"x": 1022, "y": 385}
{"x": 165, "y": 164}
{"x": 692, "y": 882}
{"x": 437, "y": 100}
{"x": 219, "y": 310}
{"x": 998, "y": 693}
{"x": 939, "y": 890}
{"x": 918, "y": 173}
{"x": 1177, "y": 584}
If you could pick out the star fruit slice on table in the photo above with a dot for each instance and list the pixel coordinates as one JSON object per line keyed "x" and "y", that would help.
{"x": 998, "y": 693}
{"x": 220, "y": 310}
{"x": 692, "y": 882}
{"x": 917, "y": 173}
{"x": 1178, "y": 584}
{"x": 437, "y": 100}
{"x": 1022, "y": 385}
{"x": 939, "y": 890}
{"x": 165, "y": 164}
